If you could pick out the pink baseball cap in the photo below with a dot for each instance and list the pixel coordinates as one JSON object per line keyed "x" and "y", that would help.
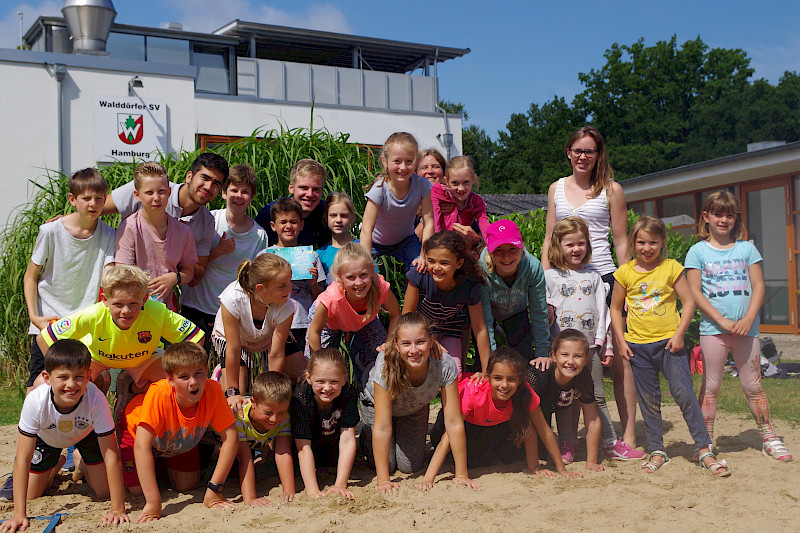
{"x": 503, "y": 232}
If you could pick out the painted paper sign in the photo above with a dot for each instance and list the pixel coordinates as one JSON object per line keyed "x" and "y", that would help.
{"x": 300, "y": 257}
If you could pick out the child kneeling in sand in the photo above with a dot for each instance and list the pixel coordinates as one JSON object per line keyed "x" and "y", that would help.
{"x": 66, "y": 411}
{"x": 168, "y": 422}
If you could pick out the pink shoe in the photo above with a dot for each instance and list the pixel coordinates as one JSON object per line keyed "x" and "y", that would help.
{"x": 622, "y": 452}
{"x": 776, "y": 449}
{"x": 567, "y": 452}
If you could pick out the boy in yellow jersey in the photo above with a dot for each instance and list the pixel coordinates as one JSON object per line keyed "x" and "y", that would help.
{"x": 125, "y": 329}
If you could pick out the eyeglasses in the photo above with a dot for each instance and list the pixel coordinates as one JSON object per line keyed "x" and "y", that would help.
{"x": 588, "y": 153}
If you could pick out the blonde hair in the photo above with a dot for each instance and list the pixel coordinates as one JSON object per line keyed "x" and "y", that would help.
{"x": 351, "y": 253}
{"x": 460, "y": 162}
{"x": 146, "y": 170}
{"x": 394, "y": 368}
{"x": 400, "y": 137}
{"x": 563, "y": 228}
{"x": 87, "y": 179}
{"x": 602, "y": 173}
{"x": 326, "y": 356}
{"x": 339, "y": 198}
{"x": 183, "y": 355}
{"x": 124, "y": 277}
{"x": 722, "y": 203}
{"x": 307, "y": 167}
{"x": 436, "y": 154}
{"x": 651, "y": 225}
{"x": 261, "y": 270}
{"x": 272, "y": 387}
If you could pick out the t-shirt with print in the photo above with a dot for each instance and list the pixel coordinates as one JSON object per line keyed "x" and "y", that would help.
{"x": 480, "y": 409}
{"x": 579, "y": 298}
{"x": 138, "y": 244}
{"x": 341, "y": 314}
{"x": 652, "y": 301}
{"x": 123, "y": 348}
{"x": 176, "y": 433}
{"x": 249, "y": 434}
{"x": 301, "y": 294}
{"x": 69, "y": 279}
{"x": 725, "y": 276}
{"x": 309, "y": 422}
{"x": 445, "y": 310}
{"x": 253, "y": 338}
{"x": 551, "y": 396}
{"x": 395, "y": 220}
{"x": 200, "y": 222}
{"x": 41, "y": 418}
{"x": 441, "y": 373}
{"x": 222, "y": 271}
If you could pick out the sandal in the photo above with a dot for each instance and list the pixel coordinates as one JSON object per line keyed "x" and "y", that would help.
{"x": 775, "y": 448}
{"x": 652, "y": 465}
{"x": 719, "y": 468}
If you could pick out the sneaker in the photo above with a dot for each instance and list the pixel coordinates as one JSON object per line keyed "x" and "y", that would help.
{"x": 69, "y": 464}
{"x": 620, "y": 451}
{"x": 567, "y": 452}
{"x": 776, "y": 449}
{"x": 7, "y": 492}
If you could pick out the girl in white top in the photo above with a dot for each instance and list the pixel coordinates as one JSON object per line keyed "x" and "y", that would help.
{"x": 590, "y": 193}
{"x": 254, "y": 318}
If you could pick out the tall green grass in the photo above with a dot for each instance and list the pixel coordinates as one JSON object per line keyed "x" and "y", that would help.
{"x": 272, "y": 153}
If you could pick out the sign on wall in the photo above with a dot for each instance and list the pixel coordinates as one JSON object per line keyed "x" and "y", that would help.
{"x": 128, "y": 128}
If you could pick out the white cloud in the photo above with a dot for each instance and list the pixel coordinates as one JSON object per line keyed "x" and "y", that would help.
{"x": 197, "y": 15}
{"x": 9, "y": 25}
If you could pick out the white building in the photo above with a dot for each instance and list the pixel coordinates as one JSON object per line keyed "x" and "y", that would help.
{"x": 167, "y": 89}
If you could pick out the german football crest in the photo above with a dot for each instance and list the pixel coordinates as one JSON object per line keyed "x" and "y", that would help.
{"x": 130, "y": 128}
{"x": 145, "y": 337}
{"x": 65, "y": 426}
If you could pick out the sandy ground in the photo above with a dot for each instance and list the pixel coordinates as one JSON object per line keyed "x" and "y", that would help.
{"x": 762, "y": 494}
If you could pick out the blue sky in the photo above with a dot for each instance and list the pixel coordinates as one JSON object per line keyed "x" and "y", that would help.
{"x": 523, "y": 52}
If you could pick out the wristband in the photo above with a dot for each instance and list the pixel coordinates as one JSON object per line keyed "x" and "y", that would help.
{"x": 231, "y": 391}
{"x": 180, "y": 280}
{"x": 216, "y": 487}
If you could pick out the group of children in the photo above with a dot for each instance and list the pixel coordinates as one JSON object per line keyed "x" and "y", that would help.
{"x": 98, "y": 303}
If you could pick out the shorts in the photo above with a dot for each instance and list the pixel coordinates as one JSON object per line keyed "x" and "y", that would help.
{"x": 188, "y": 461}
{"x": 36, "y": 363}
{"x": 45, "y": 457}
{"x": 136, "y": 372}
{"x": 249, "y": 358}
{"x": 203, "y": 320}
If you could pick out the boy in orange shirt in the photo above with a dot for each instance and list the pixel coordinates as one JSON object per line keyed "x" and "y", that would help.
{"x": 169, "y": 421}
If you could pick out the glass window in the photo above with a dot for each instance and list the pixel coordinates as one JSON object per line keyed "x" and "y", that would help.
{"x": 647, "y": 207}
{"x": 796, "y": 191}
{"x": 126, "y": 46}
{"x": 62, "y": 44}
{"x": 172, "y": 51}
{"x": 212, "y": 72}
{"x": 678, "y": 210}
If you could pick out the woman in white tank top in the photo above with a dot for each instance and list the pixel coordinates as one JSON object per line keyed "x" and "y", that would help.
{"x": 590, "y": 193}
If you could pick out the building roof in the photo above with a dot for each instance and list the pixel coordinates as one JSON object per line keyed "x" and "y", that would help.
{"x": 335, "y": 49}
{"x": 718, "y": 172}
{"x": 505, "y": 204}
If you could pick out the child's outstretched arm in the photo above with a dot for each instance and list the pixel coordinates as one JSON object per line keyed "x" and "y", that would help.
{"x": 233, "y": 356}
{"x": 227, "y": 454}
{"x": 382, "y": 439}
{"x": 411, "y": 299}
{"x": 436, "y": 463}
{"x": 318, "y": 323}
{"x": 617, "y": 322}
{"x": 30, "y": 288}
{"x": 454, "y": 427}
{"x": 426, "y": 210}
{"x": 687, "y": 313}
{"x": 308, "y": 467}
{"x": 277, "y": 351}
{"x": 247, "y": 476}
{"x": 368, "y": 225}
{"x": 116, "y": 488}
{"x": 146, "y": 469}
{"x": 592, "y": 423}
{"x": 22, "y": 464}
{"x": 537, "y": 308}
{"x": 550, "y": 442}
{"x": 283, "y": 460}
{"x": 347, "y": 455}
{"x": 481, "y": 334}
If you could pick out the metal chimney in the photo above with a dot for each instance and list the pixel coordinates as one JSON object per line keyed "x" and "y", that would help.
{"x": 89, "y": 22}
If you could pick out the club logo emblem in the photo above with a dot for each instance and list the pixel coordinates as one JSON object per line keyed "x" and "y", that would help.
{"x": 130, "y": 128}
{"x": 145, "y": 337}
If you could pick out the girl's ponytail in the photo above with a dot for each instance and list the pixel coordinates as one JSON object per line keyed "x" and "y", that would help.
{"x": 261, "y": 270}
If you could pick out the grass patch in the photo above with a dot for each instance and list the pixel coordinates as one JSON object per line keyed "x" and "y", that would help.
{"x": 784, "y": 400}
{"x": 11, "y": 399}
